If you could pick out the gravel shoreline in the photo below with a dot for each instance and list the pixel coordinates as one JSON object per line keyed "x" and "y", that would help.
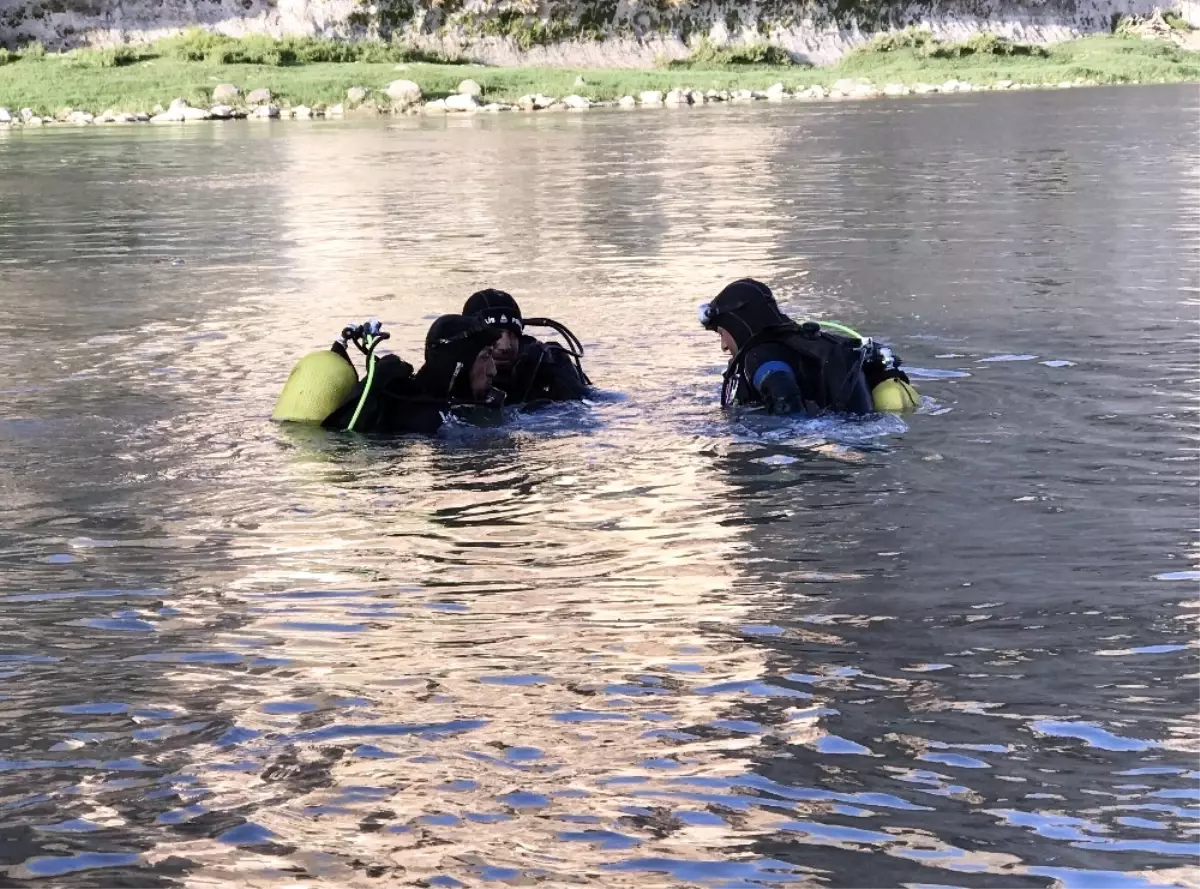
{"x": 403, "y": 97}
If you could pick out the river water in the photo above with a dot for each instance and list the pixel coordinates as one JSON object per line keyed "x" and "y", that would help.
{"x": 635, "y": 643}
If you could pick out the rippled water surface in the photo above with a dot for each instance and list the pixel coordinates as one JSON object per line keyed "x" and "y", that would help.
{"x": 636, "y": 643}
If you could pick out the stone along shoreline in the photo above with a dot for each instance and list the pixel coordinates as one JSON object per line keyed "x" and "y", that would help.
{"x": 404, "y": 97}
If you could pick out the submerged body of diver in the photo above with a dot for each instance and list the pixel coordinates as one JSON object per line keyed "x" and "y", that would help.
{"x": 454, "y": 382}
{"x": 800, "y": 368}
{"x": 531, "y": 372}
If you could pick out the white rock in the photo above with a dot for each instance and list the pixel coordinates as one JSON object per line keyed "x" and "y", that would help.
{"x": 950, "y": 86}
{"x": 525, "y": 103}
{"x": 540, "y": 101}
{"x": 1002, "y": 84}
{"x": 776, "y": 91}
{"x": 34, "y": 121}
{"x": 461, "y": 102}
{"x": 142, "y": 117}
{"x": 816, "y": 91}
{"x": 265, "y": 112}
{"x": 221, "y": 112}
{"x": 495, "y": 107}
{"x": 723, "y": 96}
{"x": 27, "y": 113}
{"x": 5, "y": 117}
{"x": 964, "y": 87}
{"x": 302, "y": 112}
{"x": 845, "y": 85}
{"x": 895, "y": 89}
{"x": 225, "y": 92}
{"x": 403, "y": 92}
{"x": 356, "y": 94}
{"x": 651, "y": 97}
{"x": 626, "y": 102}
{"x": 177, "y": 105}
{"x": 469, "y": 88}
{"x": 696, "y": 97}
{"x": 1065, "y": 85}
{"x": 80, "y": 118}
{"x": 336, "y": 111}
{"x": 865, "y": 91}
{"x": 172, "y": 116}
{"x": 437, "y": 106}
{"x": 743, "y": 95}
{"x": 922, "y": 88}
{"x": 260, "y": 96}
{"x": 196, "y": 114}
{"x": 125, "y": 117}
{"x": 577, "y": 103}
{"x": 676, "y": 97}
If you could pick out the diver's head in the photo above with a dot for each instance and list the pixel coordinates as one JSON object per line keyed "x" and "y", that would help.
{"x": 500, "y": 312}
{"x": 458, "y": 353}
{"x": 743, "y": 309}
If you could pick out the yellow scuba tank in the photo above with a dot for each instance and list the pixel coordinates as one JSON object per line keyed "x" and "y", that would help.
{"x": 895, "y": 396}
{"x": 317, "y": 386}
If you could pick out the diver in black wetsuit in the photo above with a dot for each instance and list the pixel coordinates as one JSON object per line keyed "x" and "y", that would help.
{"x": 456, "y": 380}
{"x": 530, "y": 372}
{"x": 795, "y": 368}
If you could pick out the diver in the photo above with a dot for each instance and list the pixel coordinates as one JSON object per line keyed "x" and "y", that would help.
{"x": 455, "y": 381}
{"x": 532, "y": 373}
{"x": 806, "y": 368}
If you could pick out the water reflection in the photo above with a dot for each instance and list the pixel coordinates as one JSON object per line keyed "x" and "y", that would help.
{"x": 634, "y": 644}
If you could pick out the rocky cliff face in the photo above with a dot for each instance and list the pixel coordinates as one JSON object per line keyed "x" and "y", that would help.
{"x": 596, "y": 33}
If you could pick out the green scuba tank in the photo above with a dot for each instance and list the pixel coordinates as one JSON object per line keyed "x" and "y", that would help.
{"x": 317, "y": 386}
{"x": 895, "y": 396}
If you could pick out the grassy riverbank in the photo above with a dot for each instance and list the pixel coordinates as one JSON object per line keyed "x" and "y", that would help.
{"x": 317, "y": 73}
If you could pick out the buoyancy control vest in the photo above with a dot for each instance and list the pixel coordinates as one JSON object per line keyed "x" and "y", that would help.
{"x": 835, "y": 369}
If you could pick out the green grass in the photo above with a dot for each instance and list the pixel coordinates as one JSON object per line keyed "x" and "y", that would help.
{"x": 706, "y": 55}
{"x": 1101, "y": 58}
{"x": 315, "y": 72}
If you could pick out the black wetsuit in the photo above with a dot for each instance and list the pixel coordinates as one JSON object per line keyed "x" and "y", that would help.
{"x": 398, "y": 401}
{"x": 543, "y": 372}
{"x": 805, "y": 369}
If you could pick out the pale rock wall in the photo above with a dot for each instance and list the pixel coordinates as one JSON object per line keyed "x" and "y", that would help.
{"x": 578, "y": 33}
